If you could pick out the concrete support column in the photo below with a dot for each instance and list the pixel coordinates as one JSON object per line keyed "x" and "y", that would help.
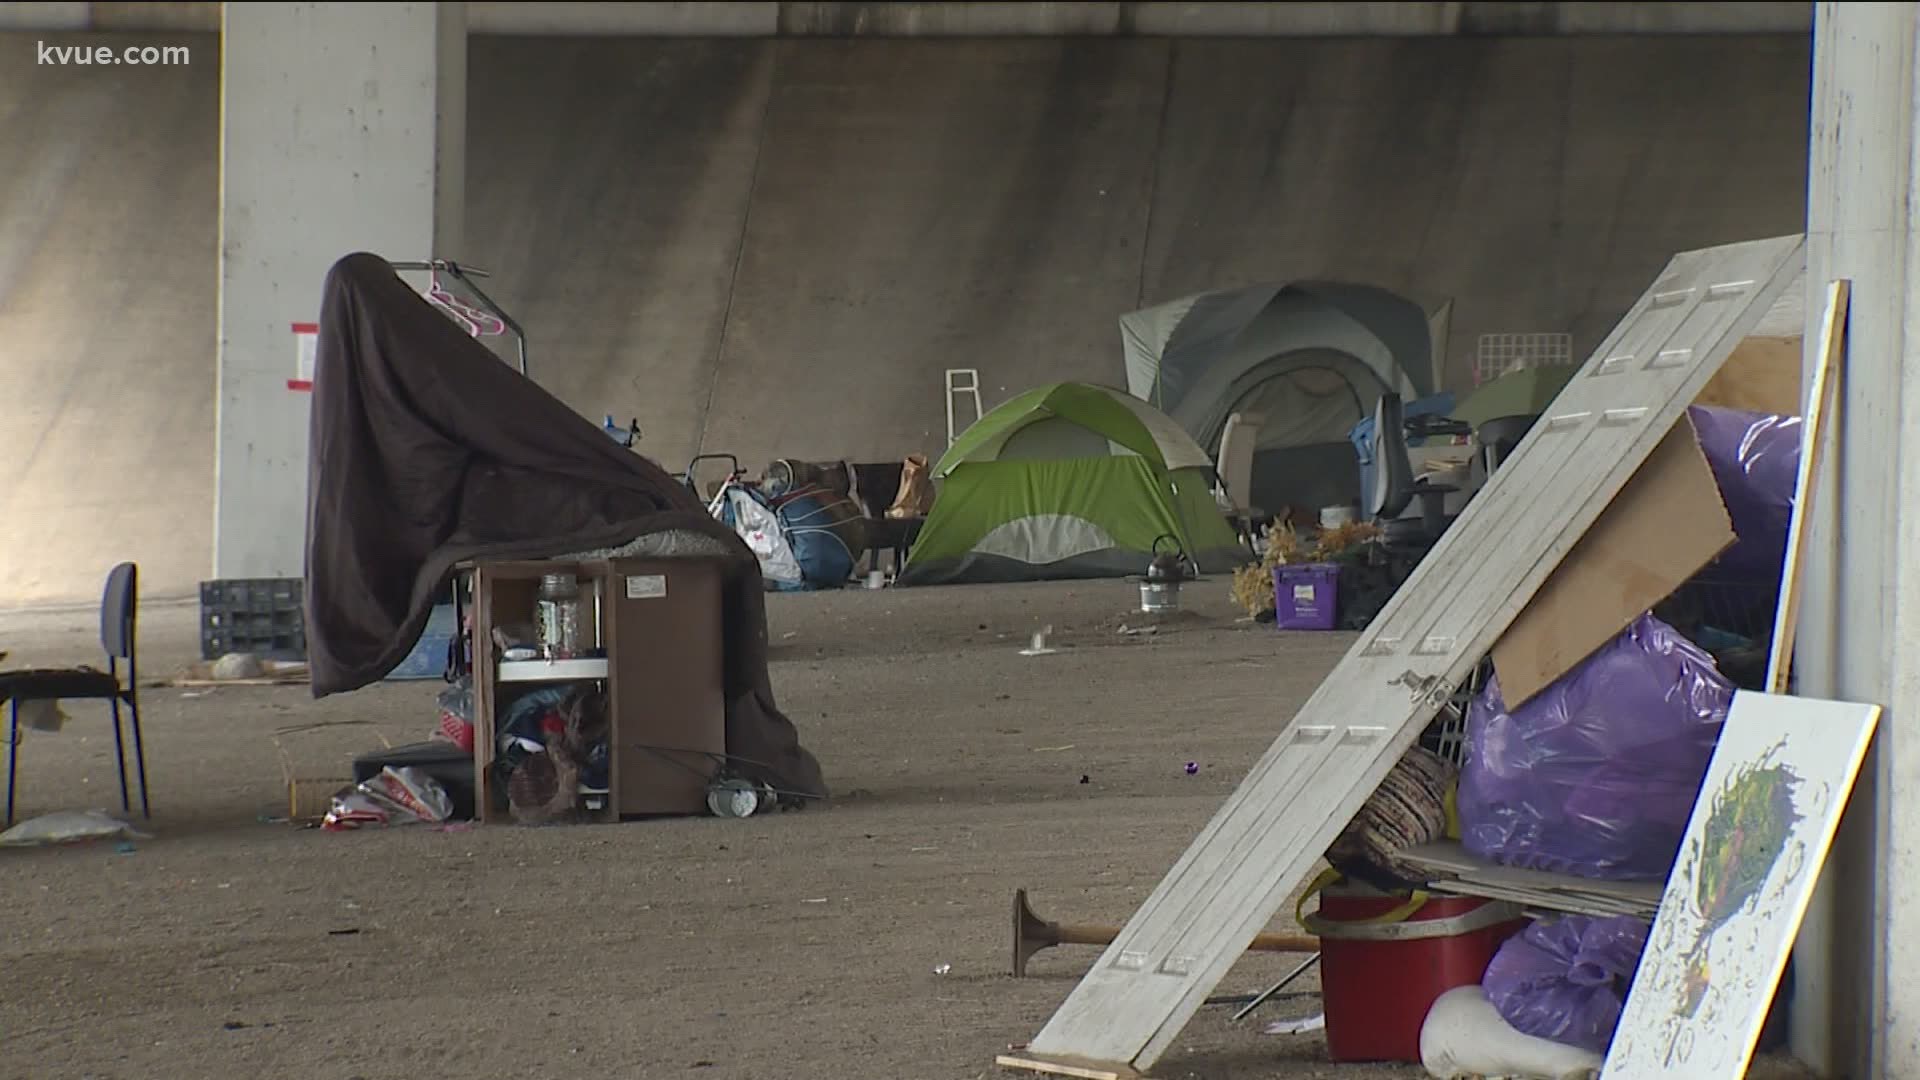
{"x": 342, "y": 129}
{"x": 1857, "y": 1006}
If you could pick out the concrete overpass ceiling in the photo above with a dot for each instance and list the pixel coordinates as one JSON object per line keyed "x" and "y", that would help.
{"x": 1016, "y": 19}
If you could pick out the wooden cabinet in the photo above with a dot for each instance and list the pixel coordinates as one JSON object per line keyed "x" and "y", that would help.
{"x": 664, "y": 639}
{"x": 658, "y": 623}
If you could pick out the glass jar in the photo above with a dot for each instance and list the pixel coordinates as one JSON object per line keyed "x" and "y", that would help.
{"x": 557, "y": 612}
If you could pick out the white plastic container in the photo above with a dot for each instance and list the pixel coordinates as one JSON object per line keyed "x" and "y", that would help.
{"x": 1332, "y": 517}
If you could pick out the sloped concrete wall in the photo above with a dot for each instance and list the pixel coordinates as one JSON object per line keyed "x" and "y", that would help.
{"x": 1540, "y": 184}
{"x": 109, "y": 196}
{"x": 775, "y": 247}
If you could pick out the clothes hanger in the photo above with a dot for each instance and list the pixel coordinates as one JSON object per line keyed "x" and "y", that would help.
{"x": 486, "y": 321}
{"x": 438, "y": 295}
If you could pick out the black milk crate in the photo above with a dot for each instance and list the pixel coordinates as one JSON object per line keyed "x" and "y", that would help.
{"x": 262, "y": 616}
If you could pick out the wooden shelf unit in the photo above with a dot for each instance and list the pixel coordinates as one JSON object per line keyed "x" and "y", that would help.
{"x": 660, "y": 623}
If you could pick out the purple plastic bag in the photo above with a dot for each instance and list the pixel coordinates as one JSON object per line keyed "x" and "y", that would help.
{"x": 1755, "y": 459}
{"x": 1596, "y": 775}
{"x": 1567, "y": 979}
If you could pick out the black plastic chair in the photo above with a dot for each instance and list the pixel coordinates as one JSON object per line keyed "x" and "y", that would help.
{"x": 1499, "y": 437}
{"x": 87, "y": 684}
{"x": 1394, "y": 486}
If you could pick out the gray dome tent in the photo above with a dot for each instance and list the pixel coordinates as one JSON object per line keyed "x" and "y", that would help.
{"x": 1310, "y": 357}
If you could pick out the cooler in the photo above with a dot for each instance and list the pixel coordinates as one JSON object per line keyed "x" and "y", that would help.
{"x": 1380, "y": 972}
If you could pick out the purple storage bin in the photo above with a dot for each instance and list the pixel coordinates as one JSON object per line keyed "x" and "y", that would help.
{"x": 1304, "y": 595}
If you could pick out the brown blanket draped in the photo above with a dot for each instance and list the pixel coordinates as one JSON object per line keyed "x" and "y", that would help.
{"x": 427, "y": 450}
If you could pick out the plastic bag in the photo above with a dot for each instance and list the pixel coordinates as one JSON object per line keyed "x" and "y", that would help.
{"x": 1755, "y": 459}
{"x": 1567, "y": 979}
{"x": 915, "y": 497}
{"x": 395, "y": 797}
{"x": 67, "y": 827}
{"x": 1597, "y": 774}
{"x": 456, "y": 713}
{"x": 757, "y": 525}
{"x": 457, "y": 700}
{"x": 1465, "y": 1038}
{"x": 352, "y": 809}
{"x": 414, "y": 792}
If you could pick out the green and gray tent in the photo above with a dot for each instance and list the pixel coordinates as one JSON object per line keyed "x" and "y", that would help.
{"x": 1069, "y": 481}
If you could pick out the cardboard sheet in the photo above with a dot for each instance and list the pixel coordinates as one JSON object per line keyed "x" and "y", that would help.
{"x": 1762, "y": 375}
{"x": 1665, "y": 525}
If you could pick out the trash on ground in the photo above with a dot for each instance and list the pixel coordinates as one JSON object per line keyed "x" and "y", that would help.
{"x": 235, "y": 665}
{"x": 68, "y": 827}
{"x": 240, "y": 669}
{"x": 394, "y": 797}
{"x": 1299, "y": 1026}
{"x": 316, "y": 725}
{"x": 1039, "y": 645}
{"x": 943, "y": 969}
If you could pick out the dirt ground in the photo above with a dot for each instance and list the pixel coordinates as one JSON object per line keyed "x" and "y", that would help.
{"x": 865, "y": 937}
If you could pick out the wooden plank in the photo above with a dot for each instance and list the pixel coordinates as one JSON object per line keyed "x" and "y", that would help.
{"x": 1444, "y": 856}
{"x": 1644, "y": 893}
{"x": 1813, "y": 446}
{"x": 1760, "y": 831}
{"x": 1064, "y": 1067}
{"x": 1561, "y": 892}
{"x": 1272, "y": 831}
{"x": 1457, "y": 864}
{"x": 484, "y": 672}
{"x": 1541, "y": 901}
